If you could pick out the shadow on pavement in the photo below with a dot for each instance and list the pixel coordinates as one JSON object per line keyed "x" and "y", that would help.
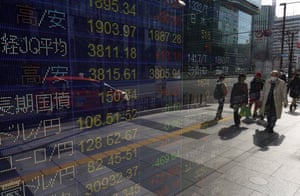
{"x": 230, "y": 132}
{"x": 248, "y": 121}
{"x": 264, "y": 139}
{"x": 293, "y": 113}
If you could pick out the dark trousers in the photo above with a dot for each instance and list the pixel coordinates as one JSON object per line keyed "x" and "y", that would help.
{"x": 236, "y": 116}
{"x": 220, "y": 107}
{"x": 271, "y": 115}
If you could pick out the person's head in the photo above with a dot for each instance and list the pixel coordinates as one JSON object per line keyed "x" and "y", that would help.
{"x": 221, "y": 77}
{"x": 258, "y": 75}
{"x": 274, "y": 75}
{"x": 242, "y": 77}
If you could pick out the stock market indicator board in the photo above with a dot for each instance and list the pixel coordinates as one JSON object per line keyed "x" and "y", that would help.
{"x": 75, "y": 74}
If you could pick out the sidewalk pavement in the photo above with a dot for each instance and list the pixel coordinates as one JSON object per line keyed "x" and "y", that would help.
{"x": 246, "y": 160}
{"x": 174, "y": 152}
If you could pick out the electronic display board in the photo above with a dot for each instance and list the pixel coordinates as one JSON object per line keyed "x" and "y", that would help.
{"x": 200, "y": 51}
{"x": 215, "y": 37}
{"x": 74, "y": 76}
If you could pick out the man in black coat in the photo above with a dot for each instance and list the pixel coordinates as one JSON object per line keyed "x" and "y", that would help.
{"x": 239, "y": 98}
{"x": 294, "y": 91}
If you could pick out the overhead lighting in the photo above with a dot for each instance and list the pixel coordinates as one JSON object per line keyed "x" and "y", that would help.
{"x": 182, "y": 3}
{"x": 178, "y": 3}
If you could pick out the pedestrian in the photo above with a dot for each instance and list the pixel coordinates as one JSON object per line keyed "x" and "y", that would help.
{"x": 282, "y": 76}
{"x": 294, "y": 91}
{"x": 272, "y": 99}
{"x": 256, "y": 86}
{"x": 220, "y": 93}
{"x": 239, "y": 98}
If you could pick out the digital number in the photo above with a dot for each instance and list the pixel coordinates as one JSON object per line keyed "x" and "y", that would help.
{"x": 176, "y": 38}
{"x": 165, "y": 55}
{"x": 110, "y": 96}
{"x": 112, "y": 74}
{"x": 90, "y": 121}
{"x": 132, "y": 94}
{"x": 129, "y": 191}
{"x": 205, "y": 35}
{"x": 164, "y": 36}
{"x": 103, "y": 51}
{"x": 130, "y": 53}
{"x": 222, "y": 60}
{"x": 99, "y": 142}
{"x": 90, "y": 144}
{"x": 131, "y": 172}
{"x": 95, "y": 166}
{"x": 115, "y": 6}
{"x": 131, "y": 114}
{"x": 113, "y": 139}
{"x": 197, "y": 6}
{"x": 118, "y": 157}
{"x": 96, "y": 120}
{"x": 197, "y": 58}
{"x": 108, "y": 28}
{"x": 164, "y": 159}
{"x": 159, "y": 35}
{"x": 117, "y": 137}
{"x": 105, "y": 182}
{"x": 130, "y": 134}
{"x": 111, "y": 180}
{"x": 163, "y": 73}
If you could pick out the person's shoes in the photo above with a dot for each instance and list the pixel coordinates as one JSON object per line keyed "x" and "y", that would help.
{"x": 218, "y": 117}
{"x": 254, "y": 116}
{"x": 261, "y": 117}
{"x": 269, "y": 130}
{"x": 293, "y": 106}
{"x": 236, "y": 125}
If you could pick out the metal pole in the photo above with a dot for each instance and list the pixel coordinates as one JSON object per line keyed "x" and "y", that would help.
{"x": 291, "y": 57}
{"x": 282, "y": 34}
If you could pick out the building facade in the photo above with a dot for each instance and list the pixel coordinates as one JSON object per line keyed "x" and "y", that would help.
{"x": 262, "y": 39}
{"x": 291, "y": 38}
{"x": 217, "y": 37}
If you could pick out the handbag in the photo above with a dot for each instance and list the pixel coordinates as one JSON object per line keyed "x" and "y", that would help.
{"x": 245, "y": 111}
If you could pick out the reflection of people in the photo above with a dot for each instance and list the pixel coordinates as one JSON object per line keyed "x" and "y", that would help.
{"x": 273, "y": 98}
{"x": 239, "y": 98}
{"x": 294, "y": 91}
{"x": 256, "y": 86}
{"x": 221, "y": 100}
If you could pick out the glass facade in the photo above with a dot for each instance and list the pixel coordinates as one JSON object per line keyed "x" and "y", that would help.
{"x": 77, "y": 76}
{"x": 72, "y": 74}
{"x": 217, "y": 38}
